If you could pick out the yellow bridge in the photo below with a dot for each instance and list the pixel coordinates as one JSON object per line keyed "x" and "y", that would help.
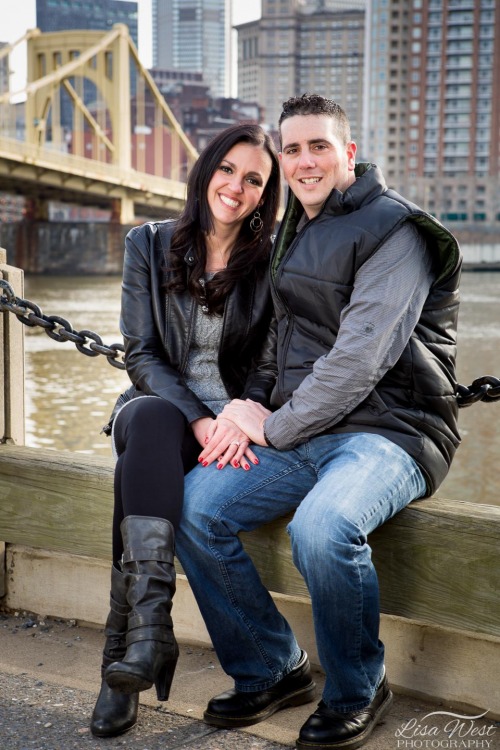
{"x": 125, "y": 150}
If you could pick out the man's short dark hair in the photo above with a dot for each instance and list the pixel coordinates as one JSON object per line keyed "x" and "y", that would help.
{"x": 314, "y": 104}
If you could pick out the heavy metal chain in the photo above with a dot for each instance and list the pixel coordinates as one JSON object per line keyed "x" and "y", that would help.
{"x": 485, "y": 388}
{"x": 59, "y": 329}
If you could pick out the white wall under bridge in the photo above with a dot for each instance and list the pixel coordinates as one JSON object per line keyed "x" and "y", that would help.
{"x": 481, "y": 255}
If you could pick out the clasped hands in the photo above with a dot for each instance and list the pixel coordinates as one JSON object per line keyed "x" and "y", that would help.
{"x": 227, "y": 438}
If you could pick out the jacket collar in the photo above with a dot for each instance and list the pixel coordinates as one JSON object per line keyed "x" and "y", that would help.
{"x": 369, "y": 184}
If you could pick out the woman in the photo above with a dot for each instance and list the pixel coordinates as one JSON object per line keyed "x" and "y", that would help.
{"x": 195, "y": 318}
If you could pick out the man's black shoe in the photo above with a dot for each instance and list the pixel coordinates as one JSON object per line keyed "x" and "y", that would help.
{"x": 327, "y": 729}
{"x": 237, "y": 709}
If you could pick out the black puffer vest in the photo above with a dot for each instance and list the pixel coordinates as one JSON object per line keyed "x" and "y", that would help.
{"x": 313, "y": 271}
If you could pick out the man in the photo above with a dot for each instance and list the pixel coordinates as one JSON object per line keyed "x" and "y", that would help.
{"x": 365, "y": 420}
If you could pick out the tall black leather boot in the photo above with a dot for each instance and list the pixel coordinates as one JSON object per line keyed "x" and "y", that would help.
{"x": 114, "y": 712}
{"x": 148, "y": 567}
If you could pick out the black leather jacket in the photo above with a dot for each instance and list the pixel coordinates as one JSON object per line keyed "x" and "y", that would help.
{"x": 157, "y": 329}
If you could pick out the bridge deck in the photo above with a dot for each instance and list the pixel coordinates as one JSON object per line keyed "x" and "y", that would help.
{"x": 33, "y": 170}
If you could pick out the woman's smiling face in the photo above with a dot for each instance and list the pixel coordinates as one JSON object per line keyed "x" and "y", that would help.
{"x": 237, "y": 185}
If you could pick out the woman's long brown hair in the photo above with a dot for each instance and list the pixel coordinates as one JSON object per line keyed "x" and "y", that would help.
{"x": 250, "y": 254}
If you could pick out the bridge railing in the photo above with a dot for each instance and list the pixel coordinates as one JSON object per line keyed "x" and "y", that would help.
{"x": 71, "y": 165}
{"x": 438, "y": 561}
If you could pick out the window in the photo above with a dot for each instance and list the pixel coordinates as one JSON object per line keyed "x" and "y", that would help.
{"x": 187, "y": 14}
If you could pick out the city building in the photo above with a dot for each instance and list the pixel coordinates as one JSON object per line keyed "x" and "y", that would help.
{"x": 62, "y": 15}
{"x": 4, "y": 70}
{"x": 200, "y": 114}
{"x": 300, "y": 46}
{"x": 5, "y": 109}
{"x": 432, "y": 106}
{"x": 11, "y": 206}
{"x": 194, "y": 35}
{"x": 59, "y": 15}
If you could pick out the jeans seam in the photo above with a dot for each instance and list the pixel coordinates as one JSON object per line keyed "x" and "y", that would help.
{"x": 396, "y": 491}
{"x": 359, "y": 638}
{"x": 225, "y": 576}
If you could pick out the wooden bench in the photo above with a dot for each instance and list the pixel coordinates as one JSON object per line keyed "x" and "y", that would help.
{"x": 438, "y": 560}
{"x": 438, "y": 563}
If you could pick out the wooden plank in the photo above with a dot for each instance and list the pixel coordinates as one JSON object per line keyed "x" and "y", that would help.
{"x": 58, "y": 501}
{"x": 438, "y": 560}
{"x": 442, "y": 568}
{"x": 3, "y": 570}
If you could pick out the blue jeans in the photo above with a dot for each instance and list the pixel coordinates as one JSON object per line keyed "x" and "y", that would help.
{"x": 341, "y": 488}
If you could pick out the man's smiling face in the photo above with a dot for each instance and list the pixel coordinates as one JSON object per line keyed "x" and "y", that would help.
{"x": 314, "y": 159}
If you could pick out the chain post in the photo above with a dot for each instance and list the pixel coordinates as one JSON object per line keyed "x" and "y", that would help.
{"x": 12, "y": 414}
{"x": 11, "y": 380}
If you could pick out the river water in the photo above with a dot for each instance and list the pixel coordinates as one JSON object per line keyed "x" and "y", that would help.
{"x": 69, "y": 395}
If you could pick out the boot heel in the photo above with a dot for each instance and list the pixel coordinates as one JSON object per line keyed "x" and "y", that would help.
{"x": 148, "y": 567}
{"x": 163, "y": 682}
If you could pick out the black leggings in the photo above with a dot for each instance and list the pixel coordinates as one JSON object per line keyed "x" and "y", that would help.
{"x": 156, "y": 448}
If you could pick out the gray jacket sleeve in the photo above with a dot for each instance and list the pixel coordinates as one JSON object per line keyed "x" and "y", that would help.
{"x": 389, "y": 292}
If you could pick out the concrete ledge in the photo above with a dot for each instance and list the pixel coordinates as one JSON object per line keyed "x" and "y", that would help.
{"x": 422, "y": 660}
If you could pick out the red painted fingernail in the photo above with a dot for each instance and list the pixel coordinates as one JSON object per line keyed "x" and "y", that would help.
{"x": 256, "y": 461}
{"x": 246, "y": 467}
{"x": 219, "y": 466}
{"x": 235, "y": 464}
{"x": 205, "y": 463}
{"x": 200, "y": 460}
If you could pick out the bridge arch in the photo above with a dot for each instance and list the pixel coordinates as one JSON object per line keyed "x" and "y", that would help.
{"x": 138, "y": 153}
{"x": 56, "y": 60}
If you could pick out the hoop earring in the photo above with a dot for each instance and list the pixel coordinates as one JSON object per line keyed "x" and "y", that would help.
{"x": 256, "y": 223}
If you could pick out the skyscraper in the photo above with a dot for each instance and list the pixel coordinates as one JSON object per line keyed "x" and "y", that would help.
{"x": 193, "y": 35}
{"x": 4, "y": 71}
{"x": 432, "y": 116}
{"x": 303, "y": 45}
{"x": 59, "y": 15}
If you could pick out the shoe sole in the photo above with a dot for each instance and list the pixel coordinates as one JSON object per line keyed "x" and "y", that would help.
{"x": 305, "y": 695}
{"x": 353, "y": 742}
{"x": 101, "y": 733}
{"x": 127, "y": 683}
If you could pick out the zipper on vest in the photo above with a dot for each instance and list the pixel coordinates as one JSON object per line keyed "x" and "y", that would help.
{"x": 288, "y": 313}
